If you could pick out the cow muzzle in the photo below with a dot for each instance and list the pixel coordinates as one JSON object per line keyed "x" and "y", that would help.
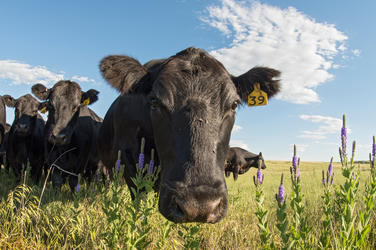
{"x": 22, "y": 128}
{"x": 194, "y": 204}
{"x": 59, "y": 139}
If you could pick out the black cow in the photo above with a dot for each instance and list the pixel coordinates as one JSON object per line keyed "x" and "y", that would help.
{"x": 239, "y": 161}
{"x": 2, "y": 120}
{"x": 3, "y": 146}
{"x": 25, "y": 138}
{"x": 185, "y": 107}
{"x": 71, "y": 131}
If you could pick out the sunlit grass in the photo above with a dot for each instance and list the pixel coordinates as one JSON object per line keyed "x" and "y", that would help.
{"x": 58, "y": 224}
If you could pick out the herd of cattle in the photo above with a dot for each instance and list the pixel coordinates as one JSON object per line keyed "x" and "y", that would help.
{"x": 184, "y": 106}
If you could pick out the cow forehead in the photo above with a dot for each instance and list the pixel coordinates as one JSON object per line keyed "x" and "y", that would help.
{"x": 194, "y": 77}
{"x": 27, "y": 100}
{"x": 66, "y": 90}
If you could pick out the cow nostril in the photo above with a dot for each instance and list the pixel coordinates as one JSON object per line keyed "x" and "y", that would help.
{"x": 179, "y": 212}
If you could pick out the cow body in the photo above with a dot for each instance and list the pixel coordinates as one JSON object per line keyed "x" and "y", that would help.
{"x": 71, "y": 132}
{"x": 24, "y": 142}
{"x": 239, "y": 161}
{"x": 2, "y": 121}
{"x": 185, "y": 107}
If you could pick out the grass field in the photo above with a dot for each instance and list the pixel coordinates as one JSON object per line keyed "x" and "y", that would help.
{"x": 100, "y": 217}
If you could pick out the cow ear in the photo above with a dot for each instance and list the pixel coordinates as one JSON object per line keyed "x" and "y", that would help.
{"x": 122, "y": 72}
{"x": 89, "y": 97}
{"x": 40, "y": 91}
{"x": 265, "y": 76}
{"x": 9, "y": 101}
{"x": 43, "y": 107}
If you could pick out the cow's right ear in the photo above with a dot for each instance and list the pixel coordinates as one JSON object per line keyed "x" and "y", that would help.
{"x": 122, "y": 72}
{"x": 9, "y": 101}
{"x": 40, "y": 91}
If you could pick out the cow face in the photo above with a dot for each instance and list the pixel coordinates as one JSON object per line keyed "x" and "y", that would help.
{"x": 25, "y": 113}
{"x": 192, "y": 104}
{"x": 240, "y": 164}
{"x": 63, "y": 103}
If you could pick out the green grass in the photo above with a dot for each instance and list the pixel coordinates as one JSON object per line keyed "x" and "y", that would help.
{"x": 58, "y": 223}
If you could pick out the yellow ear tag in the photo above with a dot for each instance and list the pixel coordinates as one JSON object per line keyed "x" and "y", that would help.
{"x": 257, "y": 97}
{"x": 86, "y": 102}
{"x": 43, "y": 110}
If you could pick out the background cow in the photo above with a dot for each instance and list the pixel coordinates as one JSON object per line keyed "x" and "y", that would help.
{"x": 239, "y": 161}
{"x": 2, "y": 129}
{"x": 25, "y": 138}
{"x": 71, "y": 131}
{"x": 185, "y": 107}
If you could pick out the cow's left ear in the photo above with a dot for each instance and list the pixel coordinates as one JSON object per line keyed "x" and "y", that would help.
{"x": 89, "y": 97}
{"x": 9, "y": 101}
{"x": 263, "y": 75}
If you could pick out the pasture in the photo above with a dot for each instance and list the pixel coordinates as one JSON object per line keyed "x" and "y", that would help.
{"x": 103, "y": 217}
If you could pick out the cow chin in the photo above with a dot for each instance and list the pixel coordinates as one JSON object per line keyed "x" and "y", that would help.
{"x": 203, "y": 203}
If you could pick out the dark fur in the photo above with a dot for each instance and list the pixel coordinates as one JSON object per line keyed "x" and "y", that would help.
{"x": 2, "y": 119}
{"x": 25, "y": 138}
{"x": 239, "y": 161}
{"x": 2, "y": 130}
{"x": 70, "y": 127}
{"x": 185, "y": 107}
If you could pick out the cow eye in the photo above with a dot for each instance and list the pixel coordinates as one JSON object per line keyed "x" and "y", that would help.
{"x": 155, "y": 104}
{"x": 234, "y": 105}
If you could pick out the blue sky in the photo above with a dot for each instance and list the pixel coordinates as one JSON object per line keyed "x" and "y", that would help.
{"x": 325, "y": 50}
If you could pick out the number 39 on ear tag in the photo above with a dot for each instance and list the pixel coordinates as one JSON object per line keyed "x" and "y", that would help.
{"x": 257, "y": 97}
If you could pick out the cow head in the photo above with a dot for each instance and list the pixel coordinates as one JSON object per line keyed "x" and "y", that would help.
{"x": 63, "y": 102}
{"x": 241, "y": 165}
{"x": 192, "y": 101}
{"x": 25, "y": 113}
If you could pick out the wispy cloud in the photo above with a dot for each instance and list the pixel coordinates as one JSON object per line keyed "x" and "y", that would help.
{"x": 83, "y": 79}
{"x": 286, "y": 39}
{"x": 328, "y": 125}
{"x": 23, "y": 73}
{"x": 239, "y": 143}
{"x": 236, "y": 128}
{"x": 300, "y": 147}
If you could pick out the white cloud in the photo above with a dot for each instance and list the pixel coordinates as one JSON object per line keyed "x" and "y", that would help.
{"x": 239, "y": 143}
{"x": 236, "y": 128}
{"x": 286, "y": 39}
{"x": 301, "y": 147}
{"x": 83, "y": 79}
{"x": 22, "y": 73}
{"x": 356, "y": 52}
{"x": 328, "y": 125}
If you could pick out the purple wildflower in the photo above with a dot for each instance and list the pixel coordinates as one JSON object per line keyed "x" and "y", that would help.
{"x": 259, "y": 176}
{"x": 294, "y": 162}
{"x": 281, "y": 191}
{"x": 78, "y": 187}
{"x": 117, "y": 166}
{"x": 374, "y": 148}
{"x": 344, "y": 135}
{"x": 297, "y": 171}
{"x": 151, "y": 167}
{"x": 330, "y": 167}
{"x": 141, "y": 158}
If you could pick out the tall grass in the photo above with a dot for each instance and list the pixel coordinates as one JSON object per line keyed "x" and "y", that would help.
{"x": 315, "y": 211}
